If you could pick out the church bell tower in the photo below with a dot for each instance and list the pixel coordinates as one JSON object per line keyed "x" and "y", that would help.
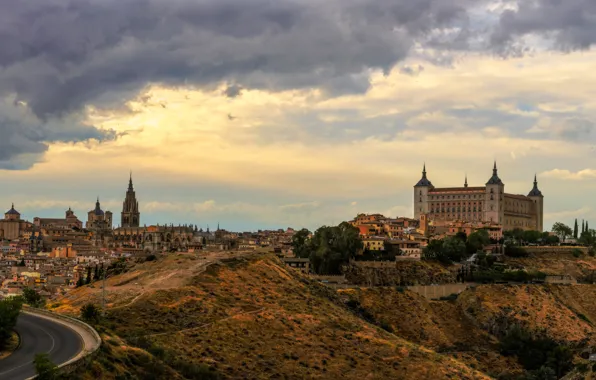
{"x": 131, "y": 217}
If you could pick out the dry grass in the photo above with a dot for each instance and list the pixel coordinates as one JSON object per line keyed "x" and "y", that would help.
{"x": 254, "y": 318}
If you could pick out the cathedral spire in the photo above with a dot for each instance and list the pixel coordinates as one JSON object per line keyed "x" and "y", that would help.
{"x": 130, "y": 187}
{"x": 466, "y": 181}
{"x": 495, "y": 168}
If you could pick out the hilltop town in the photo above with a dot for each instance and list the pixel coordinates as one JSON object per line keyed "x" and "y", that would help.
{"x": 446, "y": 284}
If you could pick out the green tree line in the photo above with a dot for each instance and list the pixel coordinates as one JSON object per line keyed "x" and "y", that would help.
{"x": 329, "y": 248}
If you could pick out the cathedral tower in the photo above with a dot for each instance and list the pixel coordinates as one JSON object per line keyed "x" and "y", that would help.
{"x": 130, "y": 208}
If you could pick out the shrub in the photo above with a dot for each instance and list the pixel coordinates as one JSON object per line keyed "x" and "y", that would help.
{"x": 451, "y": 297}
{"x": 576, "y": 252}
{"x": 151, "y": 258}
{"x": 515, "y": 251}
{"x": 45, "y": 368}
{"x": 9, "y": 312}
{"x": 539, "y": 354}
{"x": 90, "y": 313}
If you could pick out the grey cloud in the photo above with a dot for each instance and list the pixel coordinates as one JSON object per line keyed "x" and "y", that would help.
{"x": 59, "y": 55}
{"x": 411, "y": 70}
{"x": 233, "y": 91}
{"x": 569, "y": 23}
{"x": 25, "y": 138}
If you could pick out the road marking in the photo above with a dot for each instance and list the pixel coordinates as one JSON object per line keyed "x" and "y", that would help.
{"x": 31, "y": 362}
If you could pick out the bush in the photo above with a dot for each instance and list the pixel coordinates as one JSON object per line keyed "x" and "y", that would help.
{"x": 90, "y": 313}
{"x": 515, "y": 251}
{"x": 32, "y": 298}
{"x": 151, "y": 258}
{"x": 576, "y": 252}
{"x": 539, "y": 354}
{"x": 451, "y": 297}
{"x": 45, "y": 368}
{"x": 9, "y": 312}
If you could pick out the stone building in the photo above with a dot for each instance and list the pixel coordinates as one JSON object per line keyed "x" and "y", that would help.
{"x": 70, "y": 221}
{"x": 12, "y": 226}
{"x": 155, "y": 238}
{"x": 97, "y": 219}
{"x": 130, "y": 217}
{"x": 487, "y": 203}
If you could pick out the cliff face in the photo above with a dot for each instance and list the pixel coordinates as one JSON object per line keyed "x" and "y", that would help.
{"x": 401, "y": 273}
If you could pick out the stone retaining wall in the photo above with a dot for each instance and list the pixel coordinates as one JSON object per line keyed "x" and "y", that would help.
{"x": 91, "y": 340}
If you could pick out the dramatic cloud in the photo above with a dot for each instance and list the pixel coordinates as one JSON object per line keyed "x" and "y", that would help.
{"x": 569, "y": 24}
{"x": 59, "y": 55}
{"x": 25, "y": 138}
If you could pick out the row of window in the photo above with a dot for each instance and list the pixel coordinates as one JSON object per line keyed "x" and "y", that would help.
{"x": 459, "y": 209}
{"x": 455, "y": 204}
{"x": 474, "y": 196}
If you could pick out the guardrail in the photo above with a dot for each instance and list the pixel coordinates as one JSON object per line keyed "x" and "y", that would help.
{"x": 89, "y": 348}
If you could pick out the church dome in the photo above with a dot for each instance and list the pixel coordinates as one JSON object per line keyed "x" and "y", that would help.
{"x": 12, "y": 211}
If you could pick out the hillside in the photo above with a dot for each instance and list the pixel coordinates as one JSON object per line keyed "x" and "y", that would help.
{"x": 250, "y": 318}
{"x": 583, "y": 268}
{"x": 438, "y": 325}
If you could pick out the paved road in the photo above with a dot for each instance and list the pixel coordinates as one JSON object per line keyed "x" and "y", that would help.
{"x": 39, "y": 335}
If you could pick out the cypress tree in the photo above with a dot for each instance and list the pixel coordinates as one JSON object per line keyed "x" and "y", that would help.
{"x": 575, "y": 229}
{"x": 583, "y": 226}
{"x": 88, "y": 275}
{"x": 586, "y": 226}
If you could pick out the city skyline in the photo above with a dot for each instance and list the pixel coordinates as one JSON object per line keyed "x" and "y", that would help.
{"x": 293, "y": 113}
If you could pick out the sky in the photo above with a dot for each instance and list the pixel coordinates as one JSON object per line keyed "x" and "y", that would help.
{"x": 256, "y": 114}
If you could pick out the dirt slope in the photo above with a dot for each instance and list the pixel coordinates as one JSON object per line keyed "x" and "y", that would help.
{"x": 254, "y": 318}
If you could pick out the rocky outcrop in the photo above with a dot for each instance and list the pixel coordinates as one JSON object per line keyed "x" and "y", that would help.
{"x": 398, "y": 273}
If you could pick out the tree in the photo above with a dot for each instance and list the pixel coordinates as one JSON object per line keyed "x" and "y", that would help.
{"x": 45, "y": 368}
{"x": 80, "y": 282}
{"x": 32, "y": 298}
{"x": 9, "y": 313}
{"x": 583, "y": 226}
{"x": 575, "y": 229}
{"x": 96, "y": 275}
{"x": 454, "y": 249}
{"x": 90, "y": 313}
{"x": 531, "y": 236}
{"x": 300, "y": 243}
{"x": 562, "y": 230}
{"x": 477, "y": 240}
{"x": 462, "y": 235}
{"x": 88, "y": 281}
{"x": 332, "y": 247}
{"x": 21, "y": 263}
{"x": 445, "y": 251}
{"x": 587, "y": 228}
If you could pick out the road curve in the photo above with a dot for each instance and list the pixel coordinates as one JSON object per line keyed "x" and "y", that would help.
{"x": 39, "y": 335}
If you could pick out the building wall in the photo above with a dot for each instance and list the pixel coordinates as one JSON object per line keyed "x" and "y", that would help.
{"x": 482, "y": 204}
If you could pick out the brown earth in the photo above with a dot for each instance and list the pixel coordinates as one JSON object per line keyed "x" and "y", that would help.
{"x": 583, "y": 268}
{"x": 254, "y": 318}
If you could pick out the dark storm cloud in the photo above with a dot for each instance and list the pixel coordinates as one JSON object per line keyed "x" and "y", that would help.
{"x": 24, "y": 138}
{"x": 58, "y": 55}
{"x": 569, "y": 22}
